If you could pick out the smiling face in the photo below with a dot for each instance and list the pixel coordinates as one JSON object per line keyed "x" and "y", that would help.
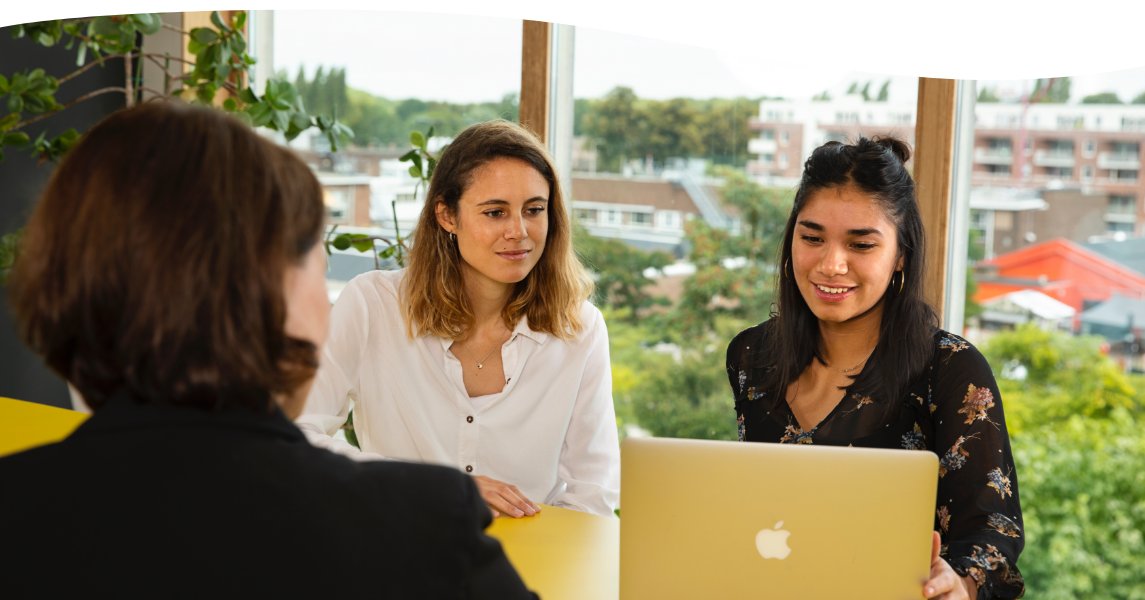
{"x": 843, "y": 255}
{"x": 501, "y": 223}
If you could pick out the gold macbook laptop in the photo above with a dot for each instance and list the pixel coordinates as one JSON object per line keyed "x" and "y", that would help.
{"x": 705, "y": 519}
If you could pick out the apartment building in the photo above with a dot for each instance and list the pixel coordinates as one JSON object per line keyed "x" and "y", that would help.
{"x": 1094, "y": 149}
{"x": 646, "y": 212}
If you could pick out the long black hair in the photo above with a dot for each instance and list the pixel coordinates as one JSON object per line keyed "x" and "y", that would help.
{"x": 905, "y": 345}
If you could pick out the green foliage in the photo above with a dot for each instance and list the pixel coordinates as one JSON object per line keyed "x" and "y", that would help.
{"x": 9, "y": 246}
{"x": 220, "y": 62}
{"x": 1065, "y": 376}
{"x": 1083, "y": 497}
{"x": 987, "y": 94}
{"x": 1051, "y": 91}
{"x": 1075, "y": 425}
{"x": 1102, "y": 98}
{"x": 1138, "y": 99}
{"x": 612, "y": 123}
{"x": 619, "y": 270}
{"x": 743, "y": 290}
{"x": 423, "y": 162}
{"x": 624, "y": 128}
{"x": 379, "y": 121}
{"x": 884, "y": 91}
{"x": 687, "y": 397}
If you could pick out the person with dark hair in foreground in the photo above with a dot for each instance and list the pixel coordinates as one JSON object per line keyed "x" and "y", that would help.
{"x": 173, "y": 273}
{"x": 854, "y": 357}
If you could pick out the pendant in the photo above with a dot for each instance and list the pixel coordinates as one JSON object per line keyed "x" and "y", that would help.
{"x": 480, "y": 366}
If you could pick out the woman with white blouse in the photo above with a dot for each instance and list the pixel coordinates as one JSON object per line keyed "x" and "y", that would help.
{"x": 484, "y": 353}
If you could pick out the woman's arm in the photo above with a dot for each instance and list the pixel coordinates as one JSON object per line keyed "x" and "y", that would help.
{"x": 590, "y": 456}
{"x": 978, "y": 512}
{"x": 328, "y": 405}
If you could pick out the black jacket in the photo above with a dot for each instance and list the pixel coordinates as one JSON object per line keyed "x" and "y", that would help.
{"x": 151, "y": 500}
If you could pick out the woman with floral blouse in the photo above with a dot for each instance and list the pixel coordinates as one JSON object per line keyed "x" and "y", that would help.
{"x": 853, "y": 357}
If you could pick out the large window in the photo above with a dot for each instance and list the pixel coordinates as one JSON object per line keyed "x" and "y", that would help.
{"x": 387, "y": 74}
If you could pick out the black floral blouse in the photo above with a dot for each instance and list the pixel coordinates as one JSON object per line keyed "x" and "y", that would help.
{"x": 953, "y": 410}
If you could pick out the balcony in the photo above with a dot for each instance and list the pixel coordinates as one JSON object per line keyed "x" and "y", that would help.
{"x": 1123, "y": 179}
{"x": 1120, "y": 217}
{"x": 1119, "y": 160}
{"x": 994, "y": 156}
{"x": 1054, "y": 158}
{"x": 762, "y": 146}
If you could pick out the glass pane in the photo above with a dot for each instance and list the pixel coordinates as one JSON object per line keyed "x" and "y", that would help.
{"x": 387, "y": 74}
{"x": 685, "y": 163}
{"x": 1056, "y": 299}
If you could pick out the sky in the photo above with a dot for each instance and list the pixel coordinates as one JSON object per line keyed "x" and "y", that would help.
{"x": 477, "y": 58}
{"x": 471, "y": 50}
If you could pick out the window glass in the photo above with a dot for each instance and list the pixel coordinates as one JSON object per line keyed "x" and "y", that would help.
{"x": 387, "y": 74}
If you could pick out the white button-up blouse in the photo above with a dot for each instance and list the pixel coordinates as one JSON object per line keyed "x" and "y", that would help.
{"x": 551, "y": 431}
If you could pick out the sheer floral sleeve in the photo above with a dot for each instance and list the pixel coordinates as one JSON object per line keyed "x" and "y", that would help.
{"x": 977, "y": 513}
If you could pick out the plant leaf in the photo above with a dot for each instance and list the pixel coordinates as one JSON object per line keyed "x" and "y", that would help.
{"x": 204, "y": 36}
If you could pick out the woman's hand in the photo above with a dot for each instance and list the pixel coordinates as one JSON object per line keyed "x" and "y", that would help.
{"x": 504, "y": 498}
{"x": 944, "y": 583}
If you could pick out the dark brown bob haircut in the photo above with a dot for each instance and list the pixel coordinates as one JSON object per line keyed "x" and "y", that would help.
{"x": 155, "y": 261}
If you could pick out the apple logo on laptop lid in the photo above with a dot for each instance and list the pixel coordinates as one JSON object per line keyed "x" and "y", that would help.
{"x": 772, "y": 543}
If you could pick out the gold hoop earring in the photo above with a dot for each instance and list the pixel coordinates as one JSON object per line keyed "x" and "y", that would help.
{"x": 785, "y": 269}
{"x": 902, "y": 280}
{"x": 453, "y": 237}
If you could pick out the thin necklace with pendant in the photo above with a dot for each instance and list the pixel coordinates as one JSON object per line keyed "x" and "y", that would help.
{"x": 481, "y": 363}
{"x": 850, "y": 370}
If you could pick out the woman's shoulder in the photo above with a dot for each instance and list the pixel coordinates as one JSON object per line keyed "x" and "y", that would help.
{"x": 949, "y": 343}
{"x": 951, "y": 350}
{"x": 754, "y": 336}
{"x": 751, "y": 341}
{"x": 378, "y": 282}
{"x": 591, "y": 320}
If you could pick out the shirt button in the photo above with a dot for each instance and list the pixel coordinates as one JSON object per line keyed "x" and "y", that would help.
{"x": 468, "y": 468}
{"x": 469, "y": 419}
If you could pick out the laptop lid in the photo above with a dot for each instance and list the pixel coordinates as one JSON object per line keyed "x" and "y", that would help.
{"x": 709, "y": 519}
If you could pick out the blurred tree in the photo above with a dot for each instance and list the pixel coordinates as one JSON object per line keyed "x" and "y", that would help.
{"x": 987, "y": 94}
{"x": 670, "y": 129}
{"x": 614, "y": 125}
{"x": 1051, "y": 91}
{"x": 374, "y": 119}
{"x": 619, "y": 270}
{"x": 884, "y": 91}
{"x": 686, "y": 397}
{"x": 1075, "y": 422}
{"x": 1064, "y": 375}
{"x": 725, "y": 128}
{"x": 1082, "y": 483}
{"x": 734, "y": 272}
{"x": 1138, "y": 99}
{"x": 1102, "y": 98}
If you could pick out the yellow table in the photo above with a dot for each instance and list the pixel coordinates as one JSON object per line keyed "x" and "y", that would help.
{"x": 560, "y": 553}
{"x": 25, "y": 425}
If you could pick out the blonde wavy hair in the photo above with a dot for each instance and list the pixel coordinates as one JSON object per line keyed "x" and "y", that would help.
{"x": 434, "y": 299}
